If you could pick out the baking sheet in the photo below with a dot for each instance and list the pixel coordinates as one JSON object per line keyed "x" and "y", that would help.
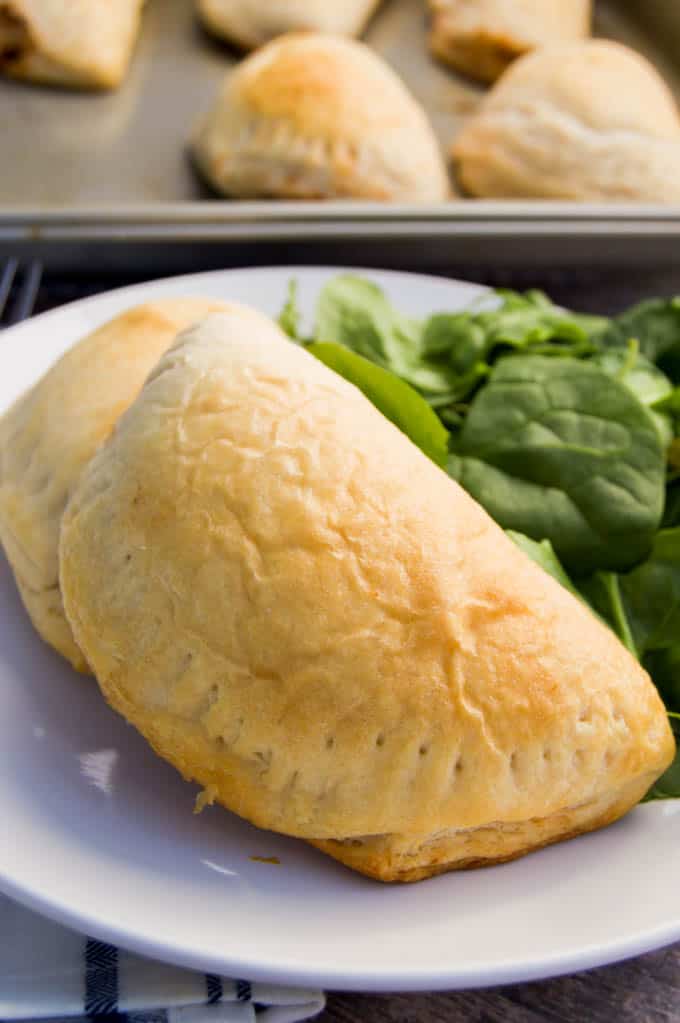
{"x": 90, "y": 167}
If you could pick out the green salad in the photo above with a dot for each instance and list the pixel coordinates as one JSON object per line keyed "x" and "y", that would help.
{"x": 564, "y": 426}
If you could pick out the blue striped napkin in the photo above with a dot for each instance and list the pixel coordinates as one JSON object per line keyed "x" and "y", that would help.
{"x": 49, "y": 972}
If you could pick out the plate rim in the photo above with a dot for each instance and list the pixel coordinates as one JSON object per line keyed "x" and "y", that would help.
{"x": 292, "y": 972}
{"x": 295, "y": 974}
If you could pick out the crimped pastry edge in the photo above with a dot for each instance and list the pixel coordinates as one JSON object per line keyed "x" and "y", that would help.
{"x": 250, "y": 151}
{"x": 483, "y": 56}
{"x": 409, "y": 858}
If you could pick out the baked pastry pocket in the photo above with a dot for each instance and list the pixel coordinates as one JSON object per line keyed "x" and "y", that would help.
{"x": 304, "y": 614}
{"x": 482, "y": 37}
{"x": 318, "y": 116}
{"x": 591, "y": 120}
{"x": 80, "y": 43}
{"x": 52, "y": 431}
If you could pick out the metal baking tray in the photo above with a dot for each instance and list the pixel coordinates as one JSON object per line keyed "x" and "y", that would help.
{"x": 84, "y": 176}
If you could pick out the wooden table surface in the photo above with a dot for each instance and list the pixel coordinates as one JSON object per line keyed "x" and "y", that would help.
{"x": 643, "y": 990}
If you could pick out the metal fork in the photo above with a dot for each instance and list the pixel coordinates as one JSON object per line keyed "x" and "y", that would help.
{"x": 19, "y": 288}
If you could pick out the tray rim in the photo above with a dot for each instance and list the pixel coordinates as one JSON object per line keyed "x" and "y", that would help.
{"x": 229, "y": 211}
{"x": 215, "y": 221}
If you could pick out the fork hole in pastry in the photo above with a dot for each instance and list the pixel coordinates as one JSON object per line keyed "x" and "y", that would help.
{"x": 15, "y": 41}
{"x": 380, "y": 740}
{"x": 547, "y": 755}
{"x": 424, "y": 749}
{"x": 330, "y": 742}
{"x": 458, "y": 766}
{"x": 344, "y": 151}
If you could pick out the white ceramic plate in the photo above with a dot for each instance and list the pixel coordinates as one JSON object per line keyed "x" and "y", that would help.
{"x": 99, "y": 834}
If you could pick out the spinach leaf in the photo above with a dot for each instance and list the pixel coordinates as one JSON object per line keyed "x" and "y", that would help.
{"x": 561, "y": 451}
{"x": 602, "y": 591}
{"x": 651, "y": 594}
{"x": 655, "y": 323}
{"x": 355, "y": 313}
{"x": 290, "y": 316}
{"x": 396, "y": 400}
{"x": 673, "y": 455}
{"x": 669, "y": 404}
{"x": 530, "y": 318}
{"x": 455, "y": 336}
{"x": 621, "y": 601}
{"x": 668, "y": 785}
{"x": 520, "y": 322}
{"x": 642, "y": 377}
{"x": 671, "y": 515}
{"x": 649, "y": 385}
{"x": 448, "y": 356}
{"x": 664, "y": 667}
{"x": 643, "y": 606}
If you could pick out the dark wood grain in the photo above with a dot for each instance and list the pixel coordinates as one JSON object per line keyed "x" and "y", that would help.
{"x": 643, "y": 990}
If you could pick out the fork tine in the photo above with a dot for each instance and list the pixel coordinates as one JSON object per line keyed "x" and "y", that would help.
{"x": 8, "y": 273}
{"x": 28, "y": 292}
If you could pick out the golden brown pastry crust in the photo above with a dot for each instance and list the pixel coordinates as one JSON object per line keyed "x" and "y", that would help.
{"x": 330, "y": 635}
{"x": 591, "y": 120}
{"x": 482, "y": 37}
{"x": 318, "y": 116}
{"x": 409, "y": 858}
{"x": 79, "y": 43}
{"x": 250, "y": 23}
{"x": 53, "y": 430}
